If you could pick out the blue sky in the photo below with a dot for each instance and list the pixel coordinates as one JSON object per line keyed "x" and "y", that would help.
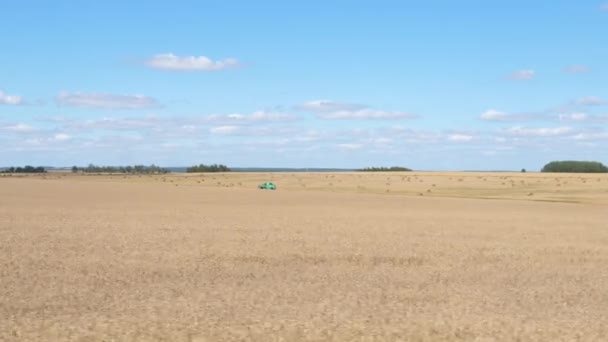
{"x": 433, "y": 85}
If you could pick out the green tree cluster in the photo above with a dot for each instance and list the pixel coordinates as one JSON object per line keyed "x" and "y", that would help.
{"x": 208, "y": 168}
{"x": 135, "y": 169}
{"x": 575, "y": 167}
{"x": 384, "y": 169}
{"x": 25, "y": 169}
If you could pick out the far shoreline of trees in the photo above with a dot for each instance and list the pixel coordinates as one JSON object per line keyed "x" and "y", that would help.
{"x": 208, "y": 168}
{"x": 25, "y": 169}
{"x": 135, "y": 169}
{"x": 565, "y": 166}
{"x": 385, "y": 169}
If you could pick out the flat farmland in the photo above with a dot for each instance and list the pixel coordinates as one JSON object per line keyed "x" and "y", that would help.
{"x": 326, "y": 257}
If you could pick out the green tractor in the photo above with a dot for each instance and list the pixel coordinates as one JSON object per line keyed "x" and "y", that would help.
{"x": 267, "y": 186}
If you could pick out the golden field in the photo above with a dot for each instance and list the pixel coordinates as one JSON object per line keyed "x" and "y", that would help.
{"x": 326, "y": 257}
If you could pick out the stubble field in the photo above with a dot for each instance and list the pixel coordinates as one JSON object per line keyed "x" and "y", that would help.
{"x": 326, "y": 257}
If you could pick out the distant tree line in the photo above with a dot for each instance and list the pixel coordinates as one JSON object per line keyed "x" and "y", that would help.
{"x": 25, "y": 169}
{"x": 384, "y": 169}
{"x": 135, "y": 169}
{"x": 575, "y": 167}
{"x": 208, "y": 168}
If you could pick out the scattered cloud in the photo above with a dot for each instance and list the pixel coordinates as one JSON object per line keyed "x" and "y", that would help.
{"x": 106, "y": 101}
{"x": 180, "y": 127}
{"x": 116, "y": 124}
{"x": 582, "y": 117}
{"x": 578, "y": 110}
{"x": 577, "y": 69}
{"x": 460, "y": 137}
{"x": 61, "y": 137}
{"x": 590, "y": 136}
{"x": 169, "y": 61}
{"x": 19, "y": 128}
{"x": 320, "y": 106}
{"x": 365, "y": 114}
{"x": 260, "y": 132}
{"x": 224, "y": 130}
{"x": 538, "y": 132}
{"x": 523, "y": 75}
{"x": 495, "y": 115}
{"x": 333, "y": 110}
{"x": 11, "y": 100}
{"x": 189, "y": 128}
{"x": 591, "y": 101}
{"x": 255, "y": 117}
{"x": 252, "y": 141}
{"x": 583, "y": 104}
{"x": 350, "y": 146}
{"x": 277, "y": 131}
{"x": 263, "y": 116}
{"x": 574, "y": 117}
{"x": 409, "y": 135}
{"x": 380, "y": 141}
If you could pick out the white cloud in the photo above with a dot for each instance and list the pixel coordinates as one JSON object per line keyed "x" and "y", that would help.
{"x": 582, "y": 117}
{"x": 494, "y": 115}
{"x": 365, "y": 114}
{"x": 106, "y": 101}
{"x": 169, "y": 61}
{"x": 189, "y": 128}
{"x": 19, "y": 128}
{"x": 224, "y": 130}
{"x": 408, "y": 135}
{"x": 380, "y": 141}
{"x": 332, "y": 110}
{"x": 460, "y": 137}
{"x": 61, "y": 137}
{"x": 591, "y": 136}
{"x": 350, "y": 146}
{"x": 329, "y": 106}
{"x": 591, "y": 101}
{"x": 257, "y": 116}
{"x": 182, "y": 127}
{"x": 164, "y": 136}
{"x": 109, "y": 123}
{"x": 579, "y": 105}
{"x": 263, "y": 116}
{"x": 6, "y": 99}
{"x": 577, "y": 69}
{"x": 538, "y": 132}
{"x": 523, "y": 75}
{"x": 577, "y": 117}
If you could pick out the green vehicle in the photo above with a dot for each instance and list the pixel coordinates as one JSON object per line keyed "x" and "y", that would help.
{"x": 267, "y": 186}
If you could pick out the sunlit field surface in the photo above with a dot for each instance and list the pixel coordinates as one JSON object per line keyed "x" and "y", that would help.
{"x": 326, "y": 257}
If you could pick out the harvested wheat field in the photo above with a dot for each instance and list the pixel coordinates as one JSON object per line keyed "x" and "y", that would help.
{"x": 326, "y": 257}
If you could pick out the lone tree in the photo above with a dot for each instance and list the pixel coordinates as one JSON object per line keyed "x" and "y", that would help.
{"x": 574, "y": 166}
